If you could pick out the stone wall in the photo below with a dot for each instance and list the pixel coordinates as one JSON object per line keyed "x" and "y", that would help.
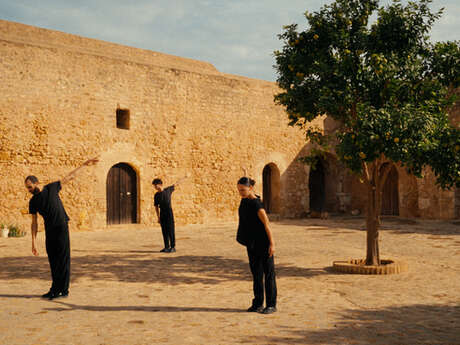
{"x": 416, "y": 197}
{"x": 58, "y": 101}
{"x": 59, "y": 96}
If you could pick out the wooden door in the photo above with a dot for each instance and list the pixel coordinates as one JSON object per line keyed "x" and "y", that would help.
{"x": 121, "y": 195}
{"x": 267, "y": 190}
{"x": 390, "y": 195}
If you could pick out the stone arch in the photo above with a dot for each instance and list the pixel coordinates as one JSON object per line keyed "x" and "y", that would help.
{"x": 118, "y": 153}
{"x": 271, "y": 184}
{"x": 390, "y": 193}
{"x": 122, "y": 194}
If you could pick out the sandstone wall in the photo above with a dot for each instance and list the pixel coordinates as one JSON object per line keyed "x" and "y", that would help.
{"x": 58, "y": 99}
{"x": 416, "y": 197}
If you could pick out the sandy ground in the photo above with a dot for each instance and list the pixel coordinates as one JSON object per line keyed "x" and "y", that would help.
{"x": 123, "y": 291}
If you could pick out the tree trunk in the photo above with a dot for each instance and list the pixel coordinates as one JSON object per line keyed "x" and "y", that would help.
{"x": 373, "y": 224}
{"x": 375, "y": 174}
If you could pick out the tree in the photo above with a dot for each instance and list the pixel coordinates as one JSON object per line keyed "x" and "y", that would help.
{"x": 387, "y": 85}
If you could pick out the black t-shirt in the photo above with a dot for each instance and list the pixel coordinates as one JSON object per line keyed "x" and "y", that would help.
{"x": 251, "y": 231}
{"x": 49, "y": 205}
{"x": 163, "y": 199}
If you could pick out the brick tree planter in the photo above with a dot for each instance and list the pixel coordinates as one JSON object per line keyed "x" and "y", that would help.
{"x": 357, "y": 266}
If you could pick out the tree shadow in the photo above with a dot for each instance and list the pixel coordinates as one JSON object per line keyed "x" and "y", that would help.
{"x": 393, "y": 224}
{"x": 414, "y": 324}
{"x": 166, "y": 309}
{"x": 398, "y": 225}
{"x": 141, "y": 267}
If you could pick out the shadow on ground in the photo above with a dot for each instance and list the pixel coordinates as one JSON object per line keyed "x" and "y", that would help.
{"x": 142, "y": 267}
{"x": 396, "y": 225}
{"x": 64, "y": 306}
{"x": 415, "y": 324}
{"x": 19, "y": 296}
{"x": 166, "y": 309}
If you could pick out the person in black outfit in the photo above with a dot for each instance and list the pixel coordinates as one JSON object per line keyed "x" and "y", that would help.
{"x": 48, "y": 204}
{"x": 254, "y": 233}
{"x": 162, "y": 203}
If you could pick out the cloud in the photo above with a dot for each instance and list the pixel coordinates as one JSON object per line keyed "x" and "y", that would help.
{"x": 237, "y": 36}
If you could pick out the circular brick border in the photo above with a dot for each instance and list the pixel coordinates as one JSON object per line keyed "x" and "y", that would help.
{"x": 357, "y": 266}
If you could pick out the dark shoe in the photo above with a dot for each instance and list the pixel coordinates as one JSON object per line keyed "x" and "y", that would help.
{"x": 254, "y": 309}
{"x": 48, "y": 294}
{"x": 164, "y": 250}
{"x": 59, "y": 295}
{"x": 269, "y": 310}
{"x": 172, "y": 250}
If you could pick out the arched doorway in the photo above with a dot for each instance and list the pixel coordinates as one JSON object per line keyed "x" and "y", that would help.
{"x": 271, "y": 188}
{"x": 121, "y": 195}
{"x": 390, "y": 195}
{"x": 317, "y": 187}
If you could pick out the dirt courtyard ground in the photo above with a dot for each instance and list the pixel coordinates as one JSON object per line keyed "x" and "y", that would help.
{"x": 123, "y": 291}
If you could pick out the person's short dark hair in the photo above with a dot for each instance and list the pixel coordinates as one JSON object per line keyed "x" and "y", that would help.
{"x": 32, "y": 179}
{"x": 245, "y": 181}
{"x": 157, "y": 181}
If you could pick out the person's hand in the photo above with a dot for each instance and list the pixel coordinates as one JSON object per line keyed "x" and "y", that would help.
{"x": 91, "y": 161}
{"x": 271, "y": 250}
{"x": 34, "y": 250}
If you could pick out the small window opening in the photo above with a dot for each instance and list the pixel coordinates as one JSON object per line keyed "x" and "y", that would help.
{"x": 123, "y": 118}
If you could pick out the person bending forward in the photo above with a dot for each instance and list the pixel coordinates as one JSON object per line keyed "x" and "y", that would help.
{"x": 165, "y": 215}
{"x": 48, "y": 204}
{"x": 254, "y": 233}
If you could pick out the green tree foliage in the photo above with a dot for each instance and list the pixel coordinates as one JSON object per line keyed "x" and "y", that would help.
{"x": 388, "y": 86}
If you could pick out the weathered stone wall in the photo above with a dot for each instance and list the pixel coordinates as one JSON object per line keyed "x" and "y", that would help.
{"x": 417, "y": 197}
{"x": 58, "y": 99}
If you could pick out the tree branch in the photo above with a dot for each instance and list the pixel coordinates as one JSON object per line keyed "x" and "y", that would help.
{"x": 366, "y": 173}
{"x": 383, "y": 177}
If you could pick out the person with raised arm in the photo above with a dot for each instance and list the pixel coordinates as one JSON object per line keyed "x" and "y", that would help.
{"x": 165, "y": 216}
{"x": 48, "y": 204}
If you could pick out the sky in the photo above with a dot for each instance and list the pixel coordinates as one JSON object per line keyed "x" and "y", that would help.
{"x": 236, "y": 36}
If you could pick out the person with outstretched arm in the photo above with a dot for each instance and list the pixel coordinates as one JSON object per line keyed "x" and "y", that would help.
{"x": 254, "y": 233}
{"x": 48, "y": 204}
{"x": 163, "y": 209}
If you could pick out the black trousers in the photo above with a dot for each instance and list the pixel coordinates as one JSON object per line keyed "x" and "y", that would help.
{"x": 262, "y": 266}
{"x": 168, "y": 230}
{"x": 58, "y": 250}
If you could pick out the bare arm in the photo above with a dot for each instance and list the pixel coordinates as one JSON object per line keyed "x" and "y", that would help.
{"x": 34, "y": 229}
{"x": 72, "y": 174}
{"x": 181, "y": 180}
{"x": 264, "y": 218}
